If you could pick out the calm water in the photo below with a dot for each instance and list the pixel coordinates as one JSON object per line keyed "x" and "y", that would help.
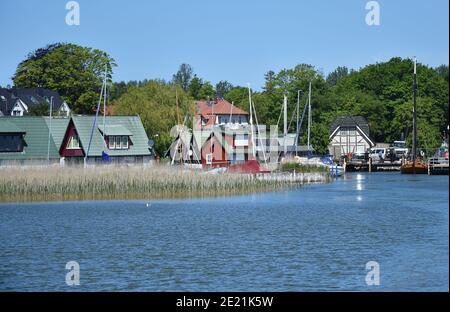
{"x": 318, "y": 237}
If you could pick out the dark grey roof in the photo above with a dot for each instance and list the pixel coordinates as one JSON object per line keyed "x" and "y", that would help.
{"x": 31, "y": 97}
{"x": 351, "y": 121}
{"x": 35, "y": 96}
{"x": 7, "y": 101}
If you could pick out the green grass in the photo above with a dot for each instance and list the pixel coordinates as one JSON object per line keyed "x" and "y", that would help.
{"x": 121, "y": 182}
{"x": 291, "y": 167}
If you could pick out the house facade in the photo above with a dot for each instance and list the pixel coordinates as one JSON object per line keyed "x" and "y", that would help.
{"x": 121, "y": 139}
{"x": 218, "y": 112}
{"x": 220, "y": 136}
{"x": 41, "y": 140}
{"x": 18, "y": 102}
{"x": 349, "y": 135}
{"x": 30, "y": 140}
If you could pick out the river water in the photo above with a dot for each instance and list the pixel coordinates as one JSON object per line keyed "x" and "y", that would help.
{"x": 314, "y": 238}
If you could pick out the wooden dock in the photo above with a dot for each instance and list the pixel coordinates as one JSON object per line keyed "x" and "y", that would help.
{"x": 369, "y": 166}
{"x": 438, "y": 166}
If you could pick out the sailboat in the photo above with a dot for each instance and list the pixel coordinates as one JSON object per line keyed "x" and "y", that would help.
{"x": 315, "y": 160}
{"x": 252, "y": 165}
{"x": 415, "y": 165}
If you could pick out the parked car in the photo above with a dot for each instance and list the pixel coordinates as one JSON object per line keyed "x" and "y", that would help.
{"x": 378, "y": 153}
{"x": 400, "y": 149}
{"x": 359, "y": 158}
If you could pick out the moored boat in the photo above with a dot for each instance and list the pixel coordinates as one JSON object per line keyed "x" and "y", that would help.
{"x": 417, "y": 167}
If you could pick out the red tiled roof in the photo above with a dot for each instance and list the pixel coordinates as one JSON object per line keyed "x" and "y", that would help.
{"x": 218, "y": 107}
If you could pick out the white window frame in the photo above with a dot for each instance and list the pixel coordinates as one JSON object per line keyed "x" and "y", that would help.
{"x": 209, "y": 159}
{"x": 111, "y": 142}
{"x": 124, "y": 139}
{"x": 70, "y": 144}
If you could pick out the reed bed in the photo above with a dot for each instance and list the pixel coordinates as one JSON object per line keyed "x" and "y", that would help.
{"x": 123, "y": 182}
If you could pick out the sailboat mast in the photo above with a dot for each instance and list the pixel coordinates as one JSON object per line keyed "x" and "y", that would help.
{"x": 298, "y": 120}
{"x": 49, "y": 130}
{"x": 414, "y": 143}
{"x": 104, "y": 106}
{"x": 251, "y": 119}
{"x": 309, "y": 116}
{"x": 285, "y": 130}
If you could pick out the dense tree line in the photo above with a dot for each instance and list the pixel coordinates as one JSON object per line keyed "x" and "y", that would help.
{"x": 381, "y": 92}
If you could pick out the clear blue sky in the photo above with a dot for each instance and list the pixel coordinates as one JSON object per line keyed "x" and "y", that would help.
{"x": 232, "y": 40}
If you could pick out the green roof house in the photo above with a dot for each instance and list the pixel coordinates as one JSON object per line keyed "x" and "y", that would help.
{"x": 25, "y": 140}
{"x": 121, "y": 140}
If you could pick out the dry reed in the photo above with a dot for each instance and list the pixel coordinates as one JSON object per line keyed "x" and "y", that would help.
{"x": 126, "y": 182}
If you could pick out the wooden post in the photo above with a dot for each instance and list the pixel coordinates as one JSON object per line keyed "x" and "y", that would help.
{"x": 370, "y": 164}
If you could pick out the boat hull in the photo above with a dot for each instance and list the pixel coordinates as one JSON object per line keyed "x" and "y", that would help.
{"x": 417, "y": 168}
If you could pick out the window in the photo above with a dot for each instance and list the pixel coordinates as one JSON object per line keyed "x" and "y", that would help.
{"x": 124, "y": 142}
{"x": 74, "y": 142}
{"x": 112, "y": 142}
{"x": 208, "y": 159}
{"x": 11, "y": 143}
{"x": 118, "y": 142}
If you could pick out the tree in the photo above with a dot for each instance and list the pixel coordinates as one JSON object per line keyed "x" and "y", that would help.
{"x": 442, "y": 71}
{"x": 207, "y": 91}
{"x": 76, "y": 72}
{"x": 183, "y": 76}
{"x": 223, "y": 87}
{"x": 155, "y": 103}
{"x": 117, "y": 89}
{"x": 336, "y": 75}
{"x": 270, "y": 84}
{"x": 195, "y": 87}
{"x": 41, "y": 109}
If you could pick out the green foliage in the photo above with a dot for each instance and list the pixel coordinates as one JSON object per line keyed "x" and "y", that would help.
{"x": 195, "y": 87}
{"x": 291, "y": 167}
{"x": 183, "y": 76}
{"x": 42, "y": 109}
{"x": 76, "y": 72}
{"x": 155, "y": 103}
{"x": 382, "y": 93}
{"x": 336, "y": 75}
{"x": 442, "y": 71}
{"x": 206, "y": 91}
{"x": 223, "y": 87}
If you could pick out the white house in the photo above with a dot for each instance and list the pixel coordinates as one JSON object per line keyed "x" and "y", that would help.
{"x": 18, "y": 102}
{"x": 349, "y": 135}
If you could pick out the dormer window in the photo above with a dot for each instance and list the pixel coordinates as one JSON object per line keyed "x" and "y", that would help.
{"x": 118, "y": 142}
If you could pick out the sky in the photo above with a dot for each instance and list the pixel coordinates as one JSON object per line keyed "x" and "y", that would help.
{"x": 233, "y": 40}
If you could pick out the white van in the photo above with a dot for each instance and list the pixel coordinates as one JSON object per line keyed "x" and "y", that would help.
{"x": 378, "y": 153}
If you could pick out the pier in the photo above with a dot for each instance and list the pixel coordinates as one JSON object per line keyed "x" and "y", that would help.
{"x": 438, "y": 166}
{"x": 373, "y": 166}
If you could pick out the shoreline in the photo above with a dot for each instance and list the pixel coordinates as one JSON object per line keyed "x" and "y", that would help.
{"x": 52, "y": 184}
